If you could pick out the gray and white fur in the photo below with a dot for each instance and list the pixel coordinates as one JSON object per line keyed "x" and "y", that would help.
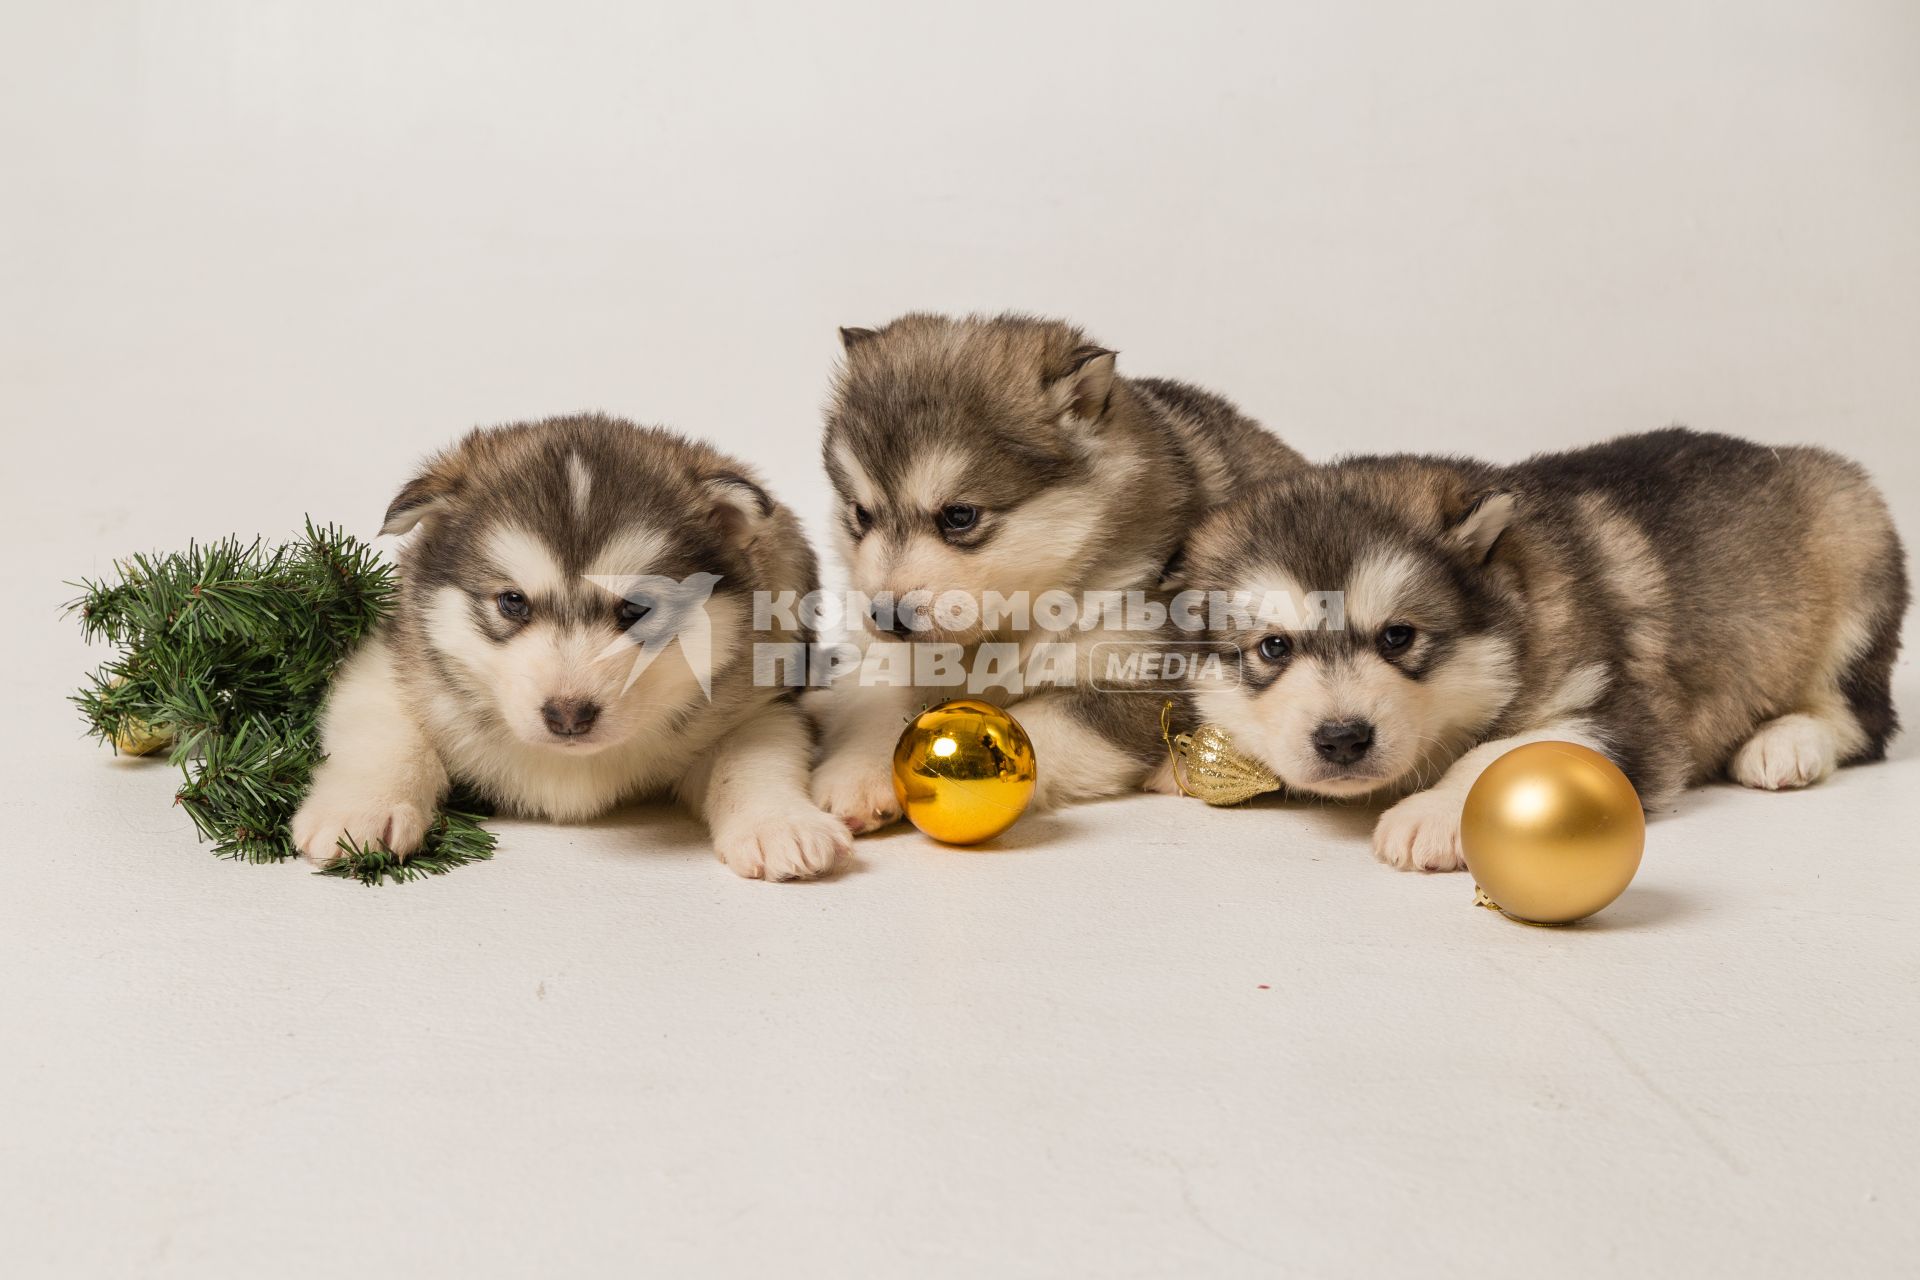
{"x": 1063, "y": 475}
{"x": 508, "y": 664}
{"x": 1691, "y": 605}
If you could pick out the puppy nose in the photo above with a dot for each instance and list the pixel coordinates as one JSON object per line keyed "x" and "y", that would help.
{"x": 1343, "y": 741}
{"x": 569, "y": 717}
{"x": 889, "y": 621}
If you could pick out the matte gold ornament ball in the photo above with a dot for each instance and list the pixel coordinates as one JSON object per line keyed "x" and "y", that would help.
{"x": 1552, "y": 832}
{"x": 963, "y": 771}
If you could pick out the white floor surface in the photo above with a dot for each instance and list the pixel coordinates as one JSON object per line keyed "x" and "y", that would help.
{"x": 260, "y": 257}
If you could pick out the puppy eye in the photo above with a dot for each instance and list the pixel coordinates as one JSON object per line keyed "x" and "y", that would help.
{"x": 1274, "y": 648}
{"x": 957, "y": 517}
{"x": 1396, "y": 638}
{"x": 862, "y": 518}
{"x": 513, "y": 605}
{"x": 631, "y": 611}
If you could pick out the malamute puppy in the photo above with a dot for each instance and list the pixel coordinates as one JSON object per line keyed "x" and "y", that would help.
{"x": 1005, "y": 455}
{"x": 1688, "y": 604}
{"x": 573, "y": 628}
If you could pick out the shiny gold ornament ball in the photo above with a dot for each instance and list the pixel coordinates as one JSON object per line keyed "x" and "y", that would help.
{"x": 1552, "y": 832}
{"x": 963, "y": 771}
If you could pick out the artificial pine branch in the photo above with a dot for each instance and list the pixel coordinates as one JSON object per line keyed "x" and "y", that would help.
{"x": 228, "y": 647}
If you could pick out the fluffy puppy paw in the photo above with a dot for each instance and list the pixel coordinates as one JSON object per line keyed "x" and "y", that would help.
{"x": 331, "y": 813}
{"x": 1421, "y": 833}
{"x": 857, "y": 788}
{"x": 1793, "y": 751}
{"x": 789, "y": 846}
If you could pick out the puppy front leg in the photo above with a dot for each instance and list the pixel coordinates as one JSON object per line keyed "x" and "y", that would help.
{"x": 381, "y": 780}
{"x": 1422, "y": 832}
{"x": 1090, "y": 744}
{"x": 859, "y": 725}
{"x": 751, "y": 789}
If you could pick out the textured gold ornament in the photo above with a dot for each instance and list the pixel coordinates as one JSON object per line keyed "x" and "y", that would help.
{"x": 1553, "y": 832}
{"x": 963, "y": 771}
{"x": 138, "y": 738}
{"x": 1206, "y": 765}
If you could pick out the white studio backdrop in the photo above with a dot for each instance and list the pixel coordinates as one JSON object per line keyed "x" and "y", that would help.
{"x": 257, "y": 257}
{"x": 287, "y": 248}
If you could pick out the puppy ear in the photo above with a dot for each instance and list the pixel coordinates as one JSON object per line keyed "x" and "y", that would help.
{"x": 1486, "y": 518}
{"x": 851, "y": 337}
{"x": 740, "y": 507}
{"x": 422, "y": 496}
{"x": 1084, "y": 388}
